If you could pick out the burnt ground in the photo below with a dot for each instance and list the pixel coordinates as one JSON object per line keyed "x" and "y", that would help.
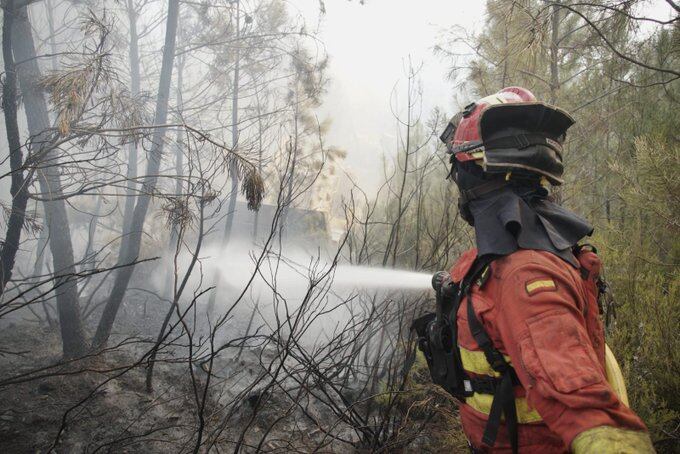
{"x": 101, "y": 404}
{"x": 114, "y": 407}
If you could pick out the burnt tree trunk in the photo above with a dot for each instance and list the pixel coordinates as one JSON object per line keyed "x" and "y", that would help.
{"x": 233, "y": 174}
{"x": 129, "y": 249}
{"x": 134, "y": 91}
{"x": 168, "y": 288}
{"x": 18, "y": 189}
{"x": 49, "y": 178}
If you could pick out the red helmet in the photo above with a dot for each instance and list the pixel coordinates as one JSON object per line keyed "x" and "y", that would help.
{"x": 510, "y": 131}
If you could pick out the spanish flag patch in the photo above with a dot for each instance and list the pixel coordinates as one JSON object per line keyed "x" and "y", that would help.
{"x": 540, "y": 285}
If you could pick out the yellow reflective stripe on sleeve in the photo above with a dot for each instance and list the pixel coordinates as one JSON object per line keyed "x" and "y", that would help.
{"x": 541, "y": 284}
{"x": 482, "y": 403}
{"x": 476, "y": 363}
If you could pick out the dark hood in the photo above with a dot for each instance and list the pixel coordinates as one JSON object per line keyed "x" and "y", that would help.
{"x": 515, "y": 217}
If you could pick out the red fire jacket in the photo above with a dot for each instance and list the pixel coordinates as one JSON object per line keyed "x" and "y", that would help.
{"x": 541, "y": 313}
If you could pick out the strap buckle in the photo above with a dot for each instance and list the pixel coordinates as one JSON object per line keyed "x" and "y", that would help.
{"x": 486, "y": 385}
{"x": 496, "y": 360}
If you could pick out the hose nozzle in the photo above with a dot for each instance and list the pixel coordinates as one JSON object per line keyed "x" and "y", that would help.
{"x": 439, "y": 279}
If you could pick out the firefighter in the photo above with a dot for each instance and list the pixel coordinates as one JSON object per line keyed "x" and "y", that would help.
{"x": 517, "y": 336}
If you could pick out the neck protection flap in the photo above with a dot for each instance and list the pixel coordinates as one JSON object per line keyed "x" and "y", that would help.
{"x": 513, "y": 218}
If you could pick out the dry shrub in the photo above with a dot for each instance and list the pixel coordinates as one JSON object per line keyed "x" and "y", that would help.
{"x": 641, "y": 257}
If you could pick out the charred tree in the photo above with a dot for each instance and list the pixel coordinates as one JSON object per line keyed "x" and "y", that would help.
{"x": 134, "y": 91}
{"x": 168, "y": 288}
{"x": 233, "y": 173}
{"x": 129, "y": 249}
{"x": 19, "y": 186}
{"x": 44, "y": 157}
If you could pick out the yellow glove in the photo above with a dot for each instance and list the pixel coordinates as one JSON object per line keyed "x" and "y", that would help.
{"x": 610, "y": 440}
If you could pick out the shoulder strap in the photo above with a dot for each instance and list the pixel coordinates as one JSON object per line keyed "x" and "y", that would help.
{"x": 504, "y": 399}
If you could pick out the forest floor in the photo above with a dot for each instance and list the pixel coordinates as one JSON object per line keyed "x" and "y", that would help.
{"x": 101, "y": 404}
{"x": 115, "y": 405}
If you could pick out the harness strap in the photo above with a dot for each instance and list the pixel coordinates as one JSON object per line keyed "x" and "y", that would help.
{"x": 493, "y": 356}
{"x": 503, "y": 403}
{"x": 504, "y": 399}
{"x": 489, "y": 385}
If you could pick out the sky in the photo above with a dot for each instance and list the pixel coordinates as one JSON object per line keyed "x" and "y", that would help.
{"x": 369, "y": 46}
